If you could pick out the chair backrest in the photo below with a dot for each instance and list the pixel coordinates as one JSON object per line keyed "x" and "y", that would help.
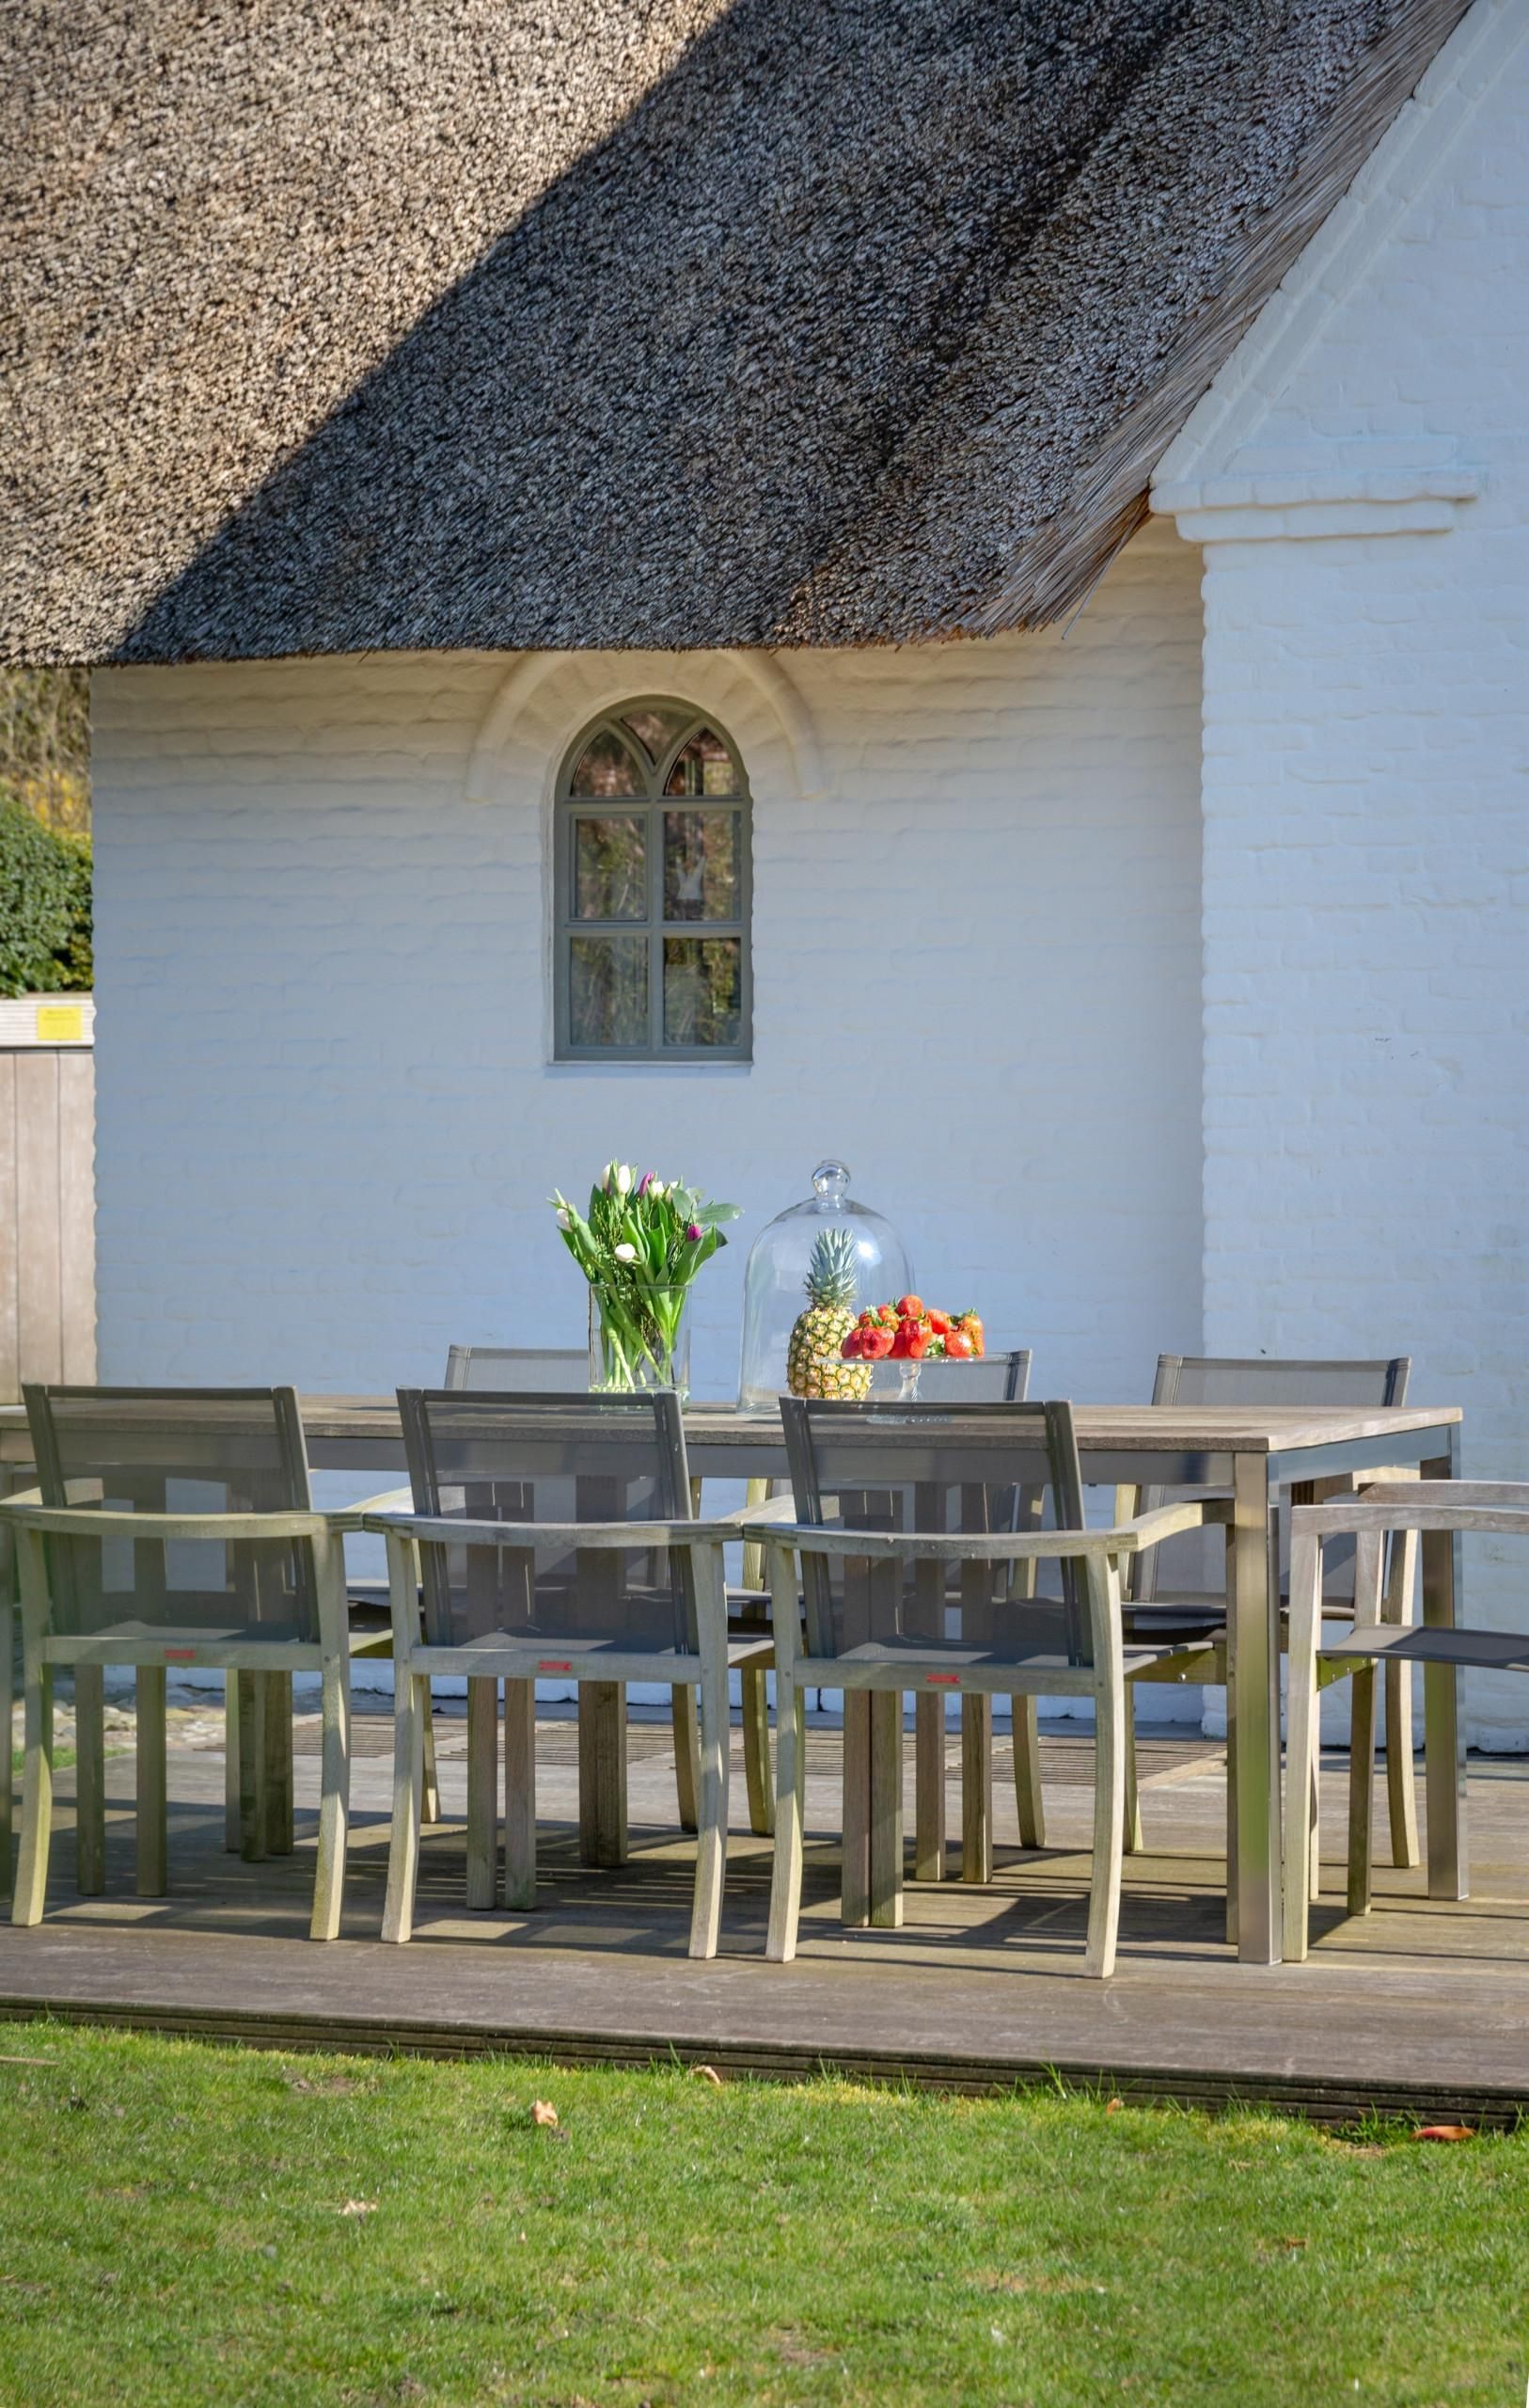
{"x": 1001, "y": 1378}
{"x": 953, "y": 1469}
{"x": 1261, "y": 1379}
{"x": 176, "y": 1450}
{"x": 501, "y": 1371}
{"x": 551, "y": 1459}
{"x": 1194, "y": 1564}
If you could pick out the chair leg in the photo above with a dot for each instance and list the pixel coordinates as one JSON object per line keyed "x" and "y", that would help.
{"x": 153, "y": 1870}
{"x": 601, "y": 1772}
{"x": 252, "y": 1767}
{"x": 408, "y": 1786}
{"x": 886, "y": 1832}
{"x": 786, "y": 1879}
{"x": 1401, "y": 1771}
{"x": 929, "y": 1788}
{"x": 1300, "y": 1729}
{"x": 1131, "y": 1827}
{"x": 89, "y": 1780}
{"x": 1368, "y": 1609}
{"x": 279, "y": 1763}
{"x": 37, "y": 1798}
{"x": 429, "y": 1794}
{"x": 711, "y": 1840}
{"x": 1027, "y": 1771}
{"x": 233, "y": 1810}
{"x": 1109, "y": 1826}
{"x": 756, "y": 1750}
{"x": 1231, "y": 1816}
{"x": 7, "y": 1701}
{"x": 520, "y": 1795}
{"x": 687, "y": 1756}
{"x": 855, "y": 1880}
{"x": 334, "y": 1800}
{"x": 1361, "y": 1787}
{"x": 482, "y": 1793}
{"x": 977, "y": 1789}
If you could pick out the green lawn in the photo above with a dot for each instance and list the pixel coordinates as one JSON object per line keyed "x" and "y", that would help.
{"x": 188, "y": 2224}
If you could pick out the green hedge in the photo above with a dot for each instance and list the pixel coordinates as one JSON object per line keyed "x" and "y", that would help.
{"x": 44, "y": 906}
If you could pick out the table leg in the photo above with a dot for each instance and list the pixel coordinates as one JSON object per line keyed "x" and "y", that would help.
{"x": 1252, "y": 1701}
{"x": 601, "y": 1772}
{"x": 854, "y": 1883}
{"x": 1443, "y": 1738}
{"x": 886, "y": 1837}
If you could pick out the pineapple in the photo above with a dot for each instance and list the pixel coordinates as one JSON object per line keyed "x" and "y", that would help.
{"x": 814, "y": 1366}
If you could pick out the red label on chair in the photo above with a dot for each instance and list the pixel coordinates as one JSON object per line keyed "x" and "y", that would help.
{"x": 180, "y": 1655}
{"x": 942, "y": 1680}
{"x": 553, "y": 1667}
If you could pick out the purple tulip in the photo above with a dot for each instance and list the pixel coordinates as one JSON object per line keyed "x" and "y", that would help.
{"x": 692, "y": 1230}
{"x": 644, "y": 1183}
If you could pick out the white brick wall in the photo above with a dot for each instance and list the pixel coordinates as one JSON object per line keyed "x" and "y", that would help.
{"x": 328, "y": 1121}
{"x": 1367, "y": 811}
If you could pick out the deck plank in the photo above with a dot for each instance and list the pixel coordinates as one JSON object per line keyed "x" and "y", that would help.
{"x": 1422, "y": 2006}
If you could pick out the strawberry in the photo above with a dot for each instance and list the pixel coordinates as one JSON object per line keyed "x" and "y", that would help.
{"x": 876, "y": 1343}
{"x": 911, "y": 1307}
{"x": 940, "y": 1323}
{"x": 972, "y": 1323}
{"x": 959, "y": 1345}
{"x": 853, "y": 1347}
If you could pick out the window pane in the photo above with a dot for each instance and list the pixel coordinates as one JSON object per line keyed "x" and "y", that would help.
{"x": 701, "y": 864}
{"x": 656, "y": 729}
{"x": 608, "y": 997}
{"x": 703, "y": 990}
{"x": 610, "y": 869}
{"x": 704, "y": 767}
{"x": 607, "y": 767}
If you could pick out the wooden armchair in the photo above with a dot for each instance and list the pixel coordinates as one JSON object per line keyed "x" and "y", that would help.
{"x": 1434, "y": 1510}
{"x": 554, "y": 1535}
{"x": 172, "y": 1527}
{"x": 915, "y": 1576}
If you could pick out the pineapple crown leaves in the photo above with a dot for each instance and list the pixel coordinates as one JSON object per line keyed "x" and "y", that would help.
{"x": 831, "y": 1272}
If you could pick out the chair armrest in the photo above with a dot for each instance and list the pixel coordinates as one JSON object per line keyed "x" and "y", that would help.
{"x": 389, "y": 1500}
{"x": 623, "y": 1537}
{"x": 747, "y": 1519}
{"x": 63, "y": 1521}
{"x": 981, "y": 1546}
{"x": 1501, "y": 1505}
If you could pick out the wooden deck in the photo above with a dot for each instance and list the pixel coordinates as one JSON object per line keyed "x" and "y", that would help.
{"x": 1422, "y": 2007}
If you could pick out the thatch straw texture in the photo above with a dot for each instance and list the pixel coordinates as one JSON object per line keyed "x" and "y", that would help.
{"x": 333, "y": 326}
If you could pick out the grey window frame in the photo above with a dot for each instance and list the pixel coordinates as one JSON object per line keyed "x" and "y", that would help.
{"x": 649, "y": 805}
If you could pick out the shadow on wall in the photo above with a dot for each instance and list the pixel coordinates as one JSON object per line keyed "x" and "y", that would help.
{"x": 657, "y": 401}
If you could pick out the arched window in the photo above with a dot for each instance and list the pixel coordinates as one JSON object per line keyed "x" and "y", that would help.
{"x": 652, "y": 867}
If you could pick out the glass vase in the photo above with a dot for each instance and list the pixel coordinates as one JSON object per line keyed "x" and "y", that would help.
{"x": 638, "y": 1339}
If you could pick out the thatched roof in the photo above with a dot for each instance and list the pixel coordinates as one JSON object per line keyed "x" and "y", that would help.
{"x": 341, "y": 325}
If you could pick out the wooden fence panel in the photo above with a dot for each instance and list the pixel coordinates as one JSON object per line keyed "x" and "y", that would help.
{"x": 47, "y": 1215}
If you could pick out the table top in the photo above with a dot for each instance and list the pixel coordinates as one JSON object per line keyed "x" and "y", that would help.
{"x": 1116, "y": 1428}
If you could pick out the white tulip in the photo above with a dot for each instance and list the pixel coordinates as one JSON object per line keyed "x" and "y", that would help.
{"x": 626, "y": 1254}
{"x": 623, "y": 1178}
{"x": 564, "y": 1220}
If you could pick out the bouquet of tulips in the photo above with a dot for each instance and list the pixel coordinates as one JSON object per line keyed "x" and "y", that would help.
{"x": 911, "y": 1331}
{"x": 639, "y": 1244}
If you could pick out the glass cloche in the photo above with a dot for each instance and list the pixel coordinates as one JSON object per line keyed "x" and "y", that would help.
{"x": 856, "y": 1258}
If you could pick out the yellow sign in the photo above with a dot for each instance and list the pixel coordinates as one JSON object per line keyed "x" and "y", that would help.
{"x": 60, "y": 1023}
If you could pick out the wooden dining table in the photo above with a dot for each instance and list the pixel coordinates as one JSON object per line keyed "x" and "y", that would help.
{"x": 1254, "y": 1454}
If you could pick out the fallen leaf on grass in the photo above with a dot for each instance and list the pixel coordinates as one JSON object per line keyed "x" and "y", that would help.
{"x": 544, "y": 2114}
{"x": 706, "y": 2073}
{"x": 358, "y": 2208}
{"x": 1113, "y": 2106}
{"x": 1444, "y": 2132}
{"x": 335, "y": 2085}
{"x": 1293, "y": 2241}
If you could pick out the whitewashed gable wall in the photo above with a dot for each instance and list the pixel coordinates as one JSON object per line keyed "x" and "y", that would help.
{"x": 1359, "y": 479}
